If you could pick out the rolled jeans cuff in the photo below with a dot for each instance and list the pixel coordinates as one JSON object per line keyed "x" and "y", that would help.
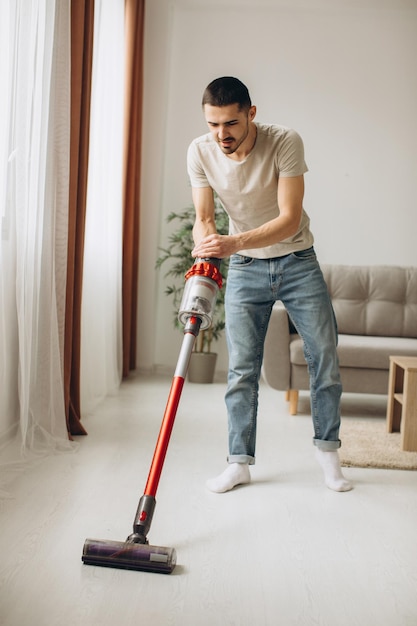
{"x": 327, "y": 445}
{"x": 241, "y": 458}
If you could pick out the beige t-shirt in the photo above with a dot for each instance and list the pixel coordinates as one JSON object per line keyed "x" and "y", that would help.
{"x": 248, "y": 189}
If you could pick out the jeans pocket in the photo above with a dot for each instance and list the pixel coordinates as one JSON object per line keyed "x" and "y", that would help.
{"x": 238, "y": 260}
{"x": 306, "y": 255}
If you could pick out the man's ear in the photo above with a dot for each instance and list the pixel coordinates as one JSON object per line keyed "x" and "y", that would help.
{"x": 252, "y": 113}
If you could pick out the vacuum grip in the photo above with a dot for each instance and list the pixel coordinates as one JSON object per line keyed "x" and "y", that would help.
{"x": 143, "y": 519}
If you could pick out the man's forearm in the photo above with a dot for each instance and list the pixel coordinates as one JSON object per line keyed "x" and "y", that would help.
{"x": 202, "y": 228}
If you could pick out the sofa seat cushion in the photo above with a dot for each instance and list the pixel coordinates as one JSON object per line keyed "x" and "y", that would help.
{"x": 365, "y": 352}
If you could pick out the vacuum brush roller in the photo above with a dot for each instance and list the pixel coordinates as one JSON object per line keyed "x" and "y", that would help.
{"x": 128, "y": 555}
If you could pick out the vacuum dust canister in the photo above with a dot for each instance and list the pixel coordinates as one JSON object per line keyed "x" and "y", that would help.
{"x": 203, "y": 282}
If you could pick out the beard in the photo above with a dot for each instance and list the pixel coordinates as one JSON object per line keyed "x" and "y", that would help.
{"x": 229, "y": 145}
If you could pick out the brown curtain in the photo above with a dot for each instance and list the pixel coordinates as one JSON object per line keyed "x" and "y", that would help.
{"x": 82, "y": 28}
{"x": 134, "y": 28}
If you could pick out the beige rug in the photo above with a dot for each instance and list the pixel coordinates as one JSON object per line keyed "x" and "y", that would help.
{"x": 365, "y": 443}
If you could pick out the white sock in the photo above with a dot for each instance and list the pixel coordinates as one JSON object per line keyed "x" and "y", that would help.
{"x": 234, "y": 474}
{"x": 330, "y": 464}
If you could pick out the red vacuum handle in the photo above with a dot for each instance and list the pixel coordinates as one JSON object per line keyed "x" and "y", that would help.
{"x": 164, "y": 436}
{"x": 191, "y": 331}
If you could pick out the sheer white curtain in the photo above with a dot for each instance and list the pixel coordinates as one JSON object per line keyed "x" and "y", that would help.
{"x": 34, "y": 174}
{"x": 34, "y": 167}
{"x": 101, "y": 329}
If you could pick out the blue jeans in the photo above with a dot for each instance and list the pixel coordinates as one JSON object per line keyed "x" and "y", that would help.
{"x": 253, "y": 286}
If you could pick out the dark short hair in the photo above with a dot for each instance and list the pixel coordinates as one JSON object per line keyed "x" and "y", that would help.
{"x": 227, "y": 90}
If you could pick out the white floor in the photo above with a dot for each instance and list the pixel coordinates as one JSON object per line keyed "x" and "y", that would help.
{"x": 282, "y": 551}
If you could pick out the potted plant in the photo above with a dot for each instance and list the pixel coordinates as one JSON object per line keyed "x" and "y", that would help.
{"x": 178, "y": 254}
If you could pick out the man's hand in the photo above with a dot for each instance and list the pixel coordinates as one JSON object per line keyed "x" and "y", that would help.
{"x": 215, "y": 246}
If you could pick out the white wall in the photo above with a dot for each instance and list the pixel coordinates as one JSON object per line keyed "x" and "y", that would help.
{"x": 340, "y": 72}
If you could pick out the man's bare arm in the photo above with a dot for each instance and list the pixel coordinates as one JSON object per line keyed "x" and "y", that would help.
{"x": 205, "y": 223}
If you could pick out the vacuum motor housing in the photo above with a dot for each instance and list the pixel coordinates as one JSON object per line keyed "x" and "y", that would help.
{"x": 203, "y": 282}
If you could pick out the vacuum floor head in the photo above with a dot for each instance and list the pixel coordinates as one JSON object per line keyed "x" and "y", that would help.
{"x": 127, "y": 555}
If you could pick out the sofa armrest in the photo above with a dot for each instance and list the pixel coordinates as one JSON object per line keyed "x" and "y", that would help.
{"x": 276, "y": 364}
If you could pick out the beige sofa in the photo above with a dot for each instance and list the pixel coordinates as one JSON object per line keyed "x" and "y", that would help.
{"x": 376, "y": 312}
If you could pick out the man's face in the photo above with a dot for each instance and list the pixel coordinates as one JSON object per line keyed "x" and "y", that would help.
{"x": 228, "y": 125}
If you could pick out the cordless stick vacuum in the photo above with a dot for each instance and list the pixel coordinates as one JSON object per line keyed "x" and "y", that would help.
{"x": 203, "y": 281}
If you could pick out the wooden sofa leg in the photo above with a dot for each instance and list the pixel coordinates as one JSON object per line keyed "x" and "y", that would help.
{"x": 292, "y": 397}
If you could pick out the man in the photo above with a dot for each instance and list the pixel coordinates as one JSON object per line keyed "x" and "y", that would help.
{"x": 257, "y": 171}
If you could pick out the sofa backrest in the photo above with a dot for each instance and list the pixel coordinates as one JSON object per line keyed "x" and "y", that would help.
{"x": 373, "y": 300}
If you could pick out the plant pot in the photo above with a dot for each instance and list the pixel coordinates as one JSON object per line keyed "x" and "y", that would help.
{"x": 201, "y": 367}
